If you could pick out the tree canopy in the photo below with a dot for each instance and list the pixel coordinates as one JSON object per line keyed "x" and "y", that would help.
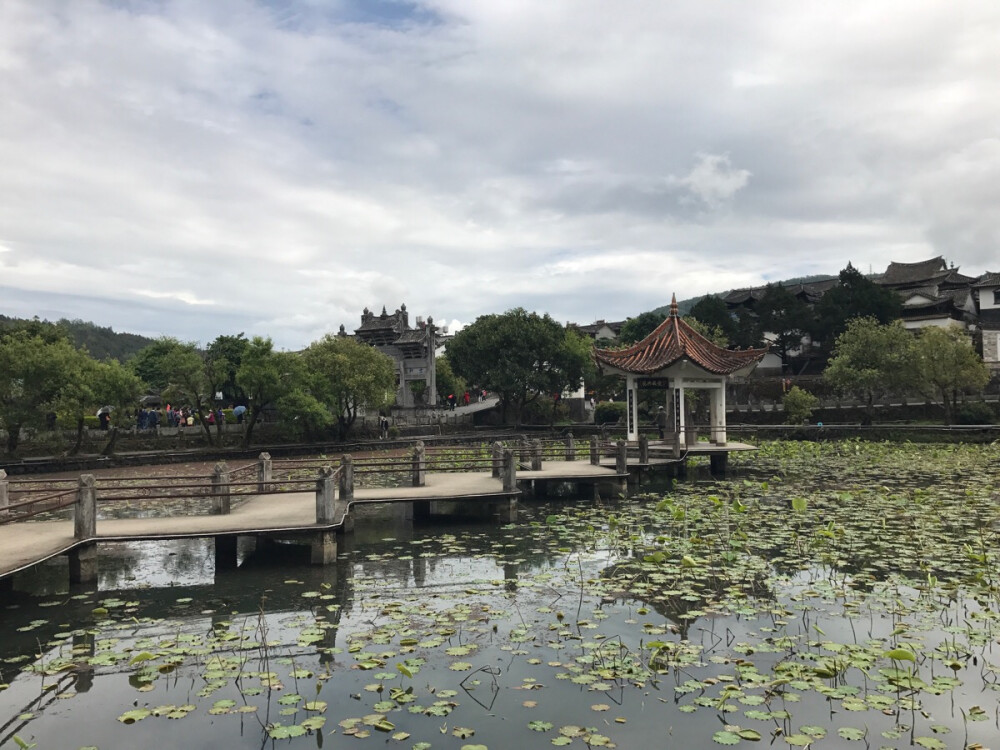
{"x": 346, "y": 376}
{"x": 637, "y": 328}
{"x": 854, "y": 297}
{"x": 871, "y": 359}
{"x": 947, "y": 365}
{"x": 519, "y": 355}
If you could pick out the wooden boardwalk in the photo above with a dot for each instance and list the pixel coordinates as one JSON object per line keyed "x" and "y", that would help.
{"x": 27, "y": 543}
{"x": 30, "y": 542}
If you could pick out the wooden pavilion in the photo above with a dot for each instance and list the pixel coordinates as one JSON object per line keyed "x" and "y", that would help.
{"x": 674, "y": 357}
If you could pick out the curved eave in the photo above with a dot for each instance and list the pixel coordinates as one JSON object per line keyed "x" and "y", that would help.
{"x": 671, "y": 342}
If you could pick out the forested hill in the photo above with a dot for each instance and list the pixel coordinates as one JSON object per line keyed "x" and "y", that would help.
{"x": 684, "y": 306}
{"x": 102, "y": 343}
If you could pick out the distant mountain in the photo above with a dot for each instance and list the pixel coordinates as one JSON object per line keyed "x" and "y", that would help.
{"x": 102, "y": 343}
{"x": 684, "y": 306}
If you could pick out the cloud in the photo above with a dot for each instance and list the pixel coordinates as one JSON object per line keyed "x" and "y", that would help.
{"x": 292, "y": 162}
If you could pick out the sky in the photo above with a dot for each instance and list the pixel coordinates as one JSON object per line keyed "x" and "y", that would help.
{"x": 273, "y": 167}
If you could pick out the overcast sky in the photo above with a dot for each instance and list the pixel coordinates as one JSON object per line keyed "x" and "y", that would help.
{"x": 201, "y": 167}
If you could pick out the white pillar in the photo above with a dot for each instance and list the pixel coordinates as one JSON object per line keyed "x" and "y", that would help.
{"x": 631, "y": 408}
{"x": 679, "y": 422}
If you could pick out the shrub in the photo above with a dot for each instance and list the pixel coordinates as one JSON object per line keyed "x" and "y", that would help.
{"x": 799, "y": 405}
{"x": 976, "y": 412}
{"x": 609, "y": 412}
{"x": 539, "y": 411}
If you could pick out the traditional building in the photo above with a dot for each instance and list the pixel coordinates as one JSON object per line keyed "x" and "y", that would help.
{"x": 932, "y": 293}
{"x": 674, "y": 357}
{"x": 599, "y": 330}
{"x": 986, "y": 290}
{"x": 412, "y": 349}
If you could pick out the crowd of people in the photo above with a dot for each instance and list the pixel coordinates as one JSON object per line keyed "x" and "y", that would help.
{"x": 147, "y": 418}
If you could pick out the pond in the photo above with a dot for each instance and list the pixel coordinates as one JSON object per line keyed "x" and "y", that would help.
{"x": 842, "y": 595}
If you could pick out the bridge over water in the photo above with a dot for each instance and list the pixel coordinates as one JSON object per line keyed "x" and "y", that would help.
{"x": 308, "y": 501}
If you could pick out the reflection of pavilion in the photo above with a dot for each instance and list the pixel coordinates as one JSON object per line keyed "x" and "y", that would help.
{"x": 674, "y": 357}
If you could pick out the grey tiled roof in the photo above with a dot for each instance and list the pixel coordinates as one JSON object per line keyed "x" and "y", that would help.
{"x": 913, "y": 273}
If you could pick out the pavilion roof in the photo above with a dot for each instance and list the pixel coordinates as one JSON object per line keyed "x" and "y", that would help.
{"x": 672, "y": 341}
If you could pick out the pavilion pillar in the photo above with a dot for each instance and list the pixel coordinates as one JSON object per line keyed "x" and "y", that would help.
{"x": 679, "y": 409}
{"x": 717, "y": 415}
{"x": 631, "y": 408}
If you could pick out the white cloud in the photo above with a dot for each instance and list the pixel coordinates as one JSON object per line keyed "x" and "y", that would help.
{"x": 294, "y": 164}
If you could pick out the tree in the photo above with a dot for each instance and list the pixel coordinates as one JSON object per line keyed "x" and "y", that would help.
{"x": 854, "y": 297}
{"x": 222, "y": 363}
{"x": 148, "y": 362}
{"x": 116, "y": 386}
{"x": 34, "y": 370}
{"x": 347, "y": 376}
{"x": 183, "y": 367}
{"x": 264, "y": 376}
{"x": 712, "y": 311}
{"x": 799, "y": 405}
{"x": 637, "y": 328}
{"x": 946, "y": 365}
{"x": 785, "y": 317}
{"x": 446, "y": 380}
{"x": 871, "y": 359}
{"x": 519, "y": 355}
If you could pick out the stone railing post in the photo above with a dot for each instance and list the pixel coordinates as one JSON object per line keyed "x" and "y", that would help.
{"x": 4, "y": 492}
{"x": 643, "y": 449}
{"x": 347, "y": 478}
{"x": 85, "y": 511}
{"x": 595, "y": 450}
{"x": 536, "y": 455}
{"x": 220, "y": 489}
{"x": 497, "y": 459}
{"x": 419, "y": 464}
{"x": 326, "y": 497}
{"x": 264, "y": 472}
{"x": 621, "y": 457}
{"x": 509, "y": 471}
{"x": 677, "y": 444}
{"x": 570, "y": 447}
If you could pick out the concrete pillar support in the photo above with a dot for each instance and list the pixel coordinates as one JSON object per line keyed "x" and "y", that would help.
{"x": 570, "y": 447}
{"x": 326, "y": 497}
{"x": 225, "y": 552}
{"x": 536, "y": 455}
{"x": 497, "y": 459}
{"x": 643, "y": 449}
{"x": 220, "y": 489}
{"x": 85, "y": 510}
{"x": 4, "y": 492}
{"x": 347, "y": 478}
{"x": 323, "y": 548}
{"x": 621, "y": 457}
{"x": 419, "y": 464}
{"x": 83, "y": 564}
{"x": 595, "y": 451}
{"x": 264, "y": 472}
{"x": 509, "y": 474}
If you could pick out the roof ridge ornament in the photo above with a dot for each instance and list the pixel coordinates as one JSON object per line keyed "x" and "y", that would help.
{"x": 673, "y": 305}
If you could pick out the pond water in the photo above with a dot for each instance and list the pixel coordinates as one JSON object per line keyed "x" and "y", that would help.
{"x": 829, "y": 596}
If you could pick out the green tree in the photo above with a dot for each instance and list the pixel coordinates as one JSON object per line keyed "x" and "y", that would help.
{"x": 519, "y": 355}
{"x": 34, "y": 370}
{"x": 854, "y": 297}
{"x": 947, "y": 365}
{"x": 712, "y": 311}
{"x": 446, "y": 379}
{"x": 799, "y": 405}
{"x": 347, "y": 376}
{"x": 264, "y": 376}
{"x": 784, "y": 316}
{"x": 637, "y": 328}
{"x": 183, "y": 367}
{"x": 118, "y": 387}
{"x": 148, "y": 362}
{"x": 872, "y": 359}
{"x": 222, "y": 363}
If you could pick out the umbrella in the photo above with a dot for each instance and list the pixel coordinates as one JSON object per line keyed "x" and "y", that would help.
{"x": 241, "y": 409}
{"x": 104, "y": 410}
